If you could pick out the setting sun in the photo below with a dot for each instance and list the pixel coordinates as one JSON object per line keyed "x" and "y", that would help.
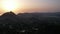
{"x": 9, "y": 5}
{"x": 23, "y": 6}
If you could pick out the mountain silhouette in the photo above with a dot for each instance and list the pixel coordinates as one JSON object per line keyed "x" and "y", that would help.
{"x": 9, "y": 17}
{"x": 9, "y": 14}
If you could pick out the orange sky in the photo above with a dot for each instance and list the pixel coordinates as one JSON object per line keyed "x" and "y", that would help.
{"x": 22, "y": 6}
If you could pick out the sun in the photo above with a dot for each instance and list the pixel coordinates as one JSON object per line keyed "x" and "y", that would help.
{"x": 9, "y": 5}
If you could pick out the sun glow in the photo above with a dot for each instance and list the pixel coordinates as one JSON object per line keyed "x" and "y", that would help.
{"x": 9, "y": 5}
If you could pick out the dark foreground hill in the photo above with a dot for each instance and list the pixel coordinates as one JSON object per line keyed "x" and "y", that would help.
{"x": 30, "y": 23}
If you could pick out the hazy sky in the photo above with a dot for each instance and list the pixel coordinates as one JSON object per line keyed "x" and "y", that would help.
{"x": 39, "y": 3}
{"x": 36, "y": 4}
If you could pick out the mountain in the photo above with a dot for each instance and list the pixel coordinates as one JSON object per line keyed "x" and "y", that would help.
{"x": 57, "y": 14}
{"x": 9, "y": 17}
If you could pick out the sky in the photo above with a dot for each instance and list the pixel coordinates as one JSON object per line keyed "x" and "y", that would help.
{"x": 22, "y": 6}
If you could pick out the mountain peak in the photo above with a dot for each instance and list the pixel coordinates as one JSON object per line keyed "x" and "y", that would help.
{"x": 9, "y": 14}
